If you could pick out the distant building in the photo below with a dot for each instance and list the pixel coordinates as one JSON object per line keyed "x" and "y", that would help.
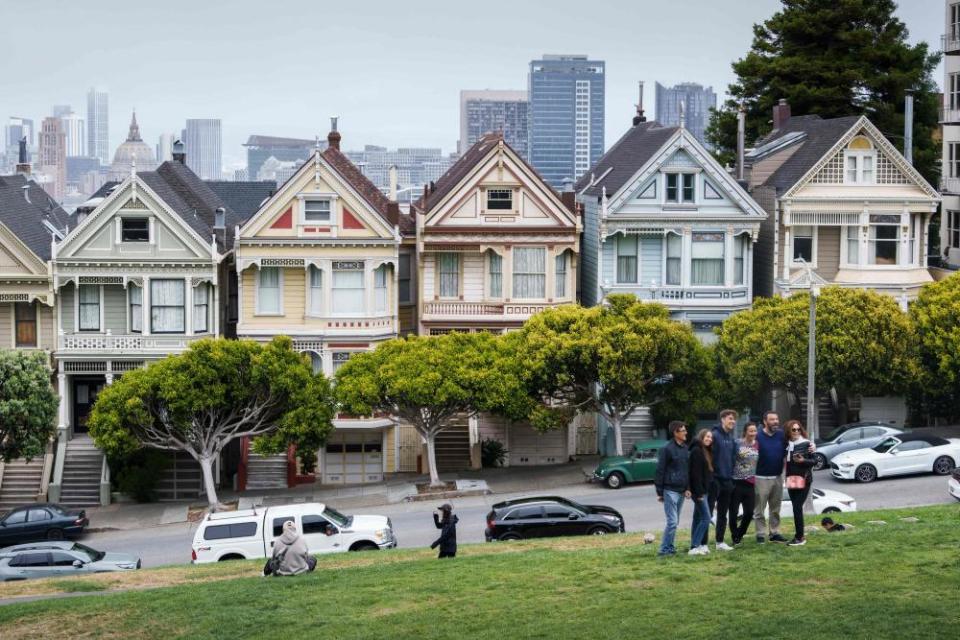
{"x": 98, "y": 125}
{"x": 61, "y": 110}
{"x": 240, "y": 175}
{"x": 490, "y": 111}
{"x": 15, "y": 130}
{"x": 697, "y": 102}
{"x": 74, "y": 127}
{"x": 165, "y": 147}
{"x": 52, "y": 157}
{"x": 84, "y": 175}
{"x": 204, "y": 153}
{"x": 566, "y": 126}
{"x": 132, "y": 149}
{"x": 415, "y": 167}
{"x": 260, "y": 148}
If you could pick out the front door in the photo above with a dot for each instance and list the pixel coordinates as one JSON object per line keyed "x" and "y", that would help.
{"x": 85, "y": 391}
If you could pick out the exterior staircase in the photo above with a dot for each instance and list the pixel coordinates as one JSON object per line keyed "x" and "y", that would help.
{"x": 82, "y": 469}
{"x": 826, "y": 416}
{"x": 181, "y": 480}
{"x": 452, "y": 446}
{"x": 21, "y": 483}
{"x": 266, "y": 472}
{"x": 638, "y": 427}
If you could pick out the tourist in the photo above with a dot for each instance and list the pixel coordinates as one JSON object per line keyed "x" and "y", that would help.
{"x": 724, "y": 451}
{"x": 800, "y": 465}
{"x": 290, "y": 554}
{"x": 444, "y": 519}
{"x": 771, "y": 448}
{"x": 744, "y": 469}
{"x": 672, "y": 482}
{"x": 701, "y": 474}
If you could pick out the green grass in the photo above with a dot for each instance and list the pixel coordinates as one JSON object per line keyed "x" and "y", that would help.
{"x": 899, "y": 580}
{"x": 78, "y": 585}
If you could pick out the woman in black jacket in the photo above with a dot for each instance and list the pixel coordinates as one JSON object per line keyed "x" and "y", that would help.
{"x": 800, "y": 465}
{"x": 447, "y": 523}
{"x": 701, "y": 474}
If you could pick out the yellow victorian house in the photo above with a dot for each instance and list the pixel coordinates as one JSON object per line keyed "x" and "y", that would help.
{"x": 320, "y": 262}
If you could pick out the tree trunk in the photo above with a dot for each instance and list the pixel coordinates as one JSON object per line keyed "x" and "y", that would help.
{"x": 616, "y": 421}
{"x": 206, "y": 464}
{"x": 432, "y": 460}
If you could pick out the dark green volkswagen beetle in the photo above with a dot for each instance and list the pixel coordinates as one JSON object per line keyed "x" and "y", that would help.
{"x": 639, "y": 466}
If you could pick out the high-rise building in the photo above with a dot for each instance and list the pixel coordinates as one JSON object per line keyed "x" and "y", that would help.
{"x": 490, "y": 111}
{"x": 98, "y": 125}
{"x": 202, "y": 140}
{"x": 697, "y": 102}
{"x": 75, "y": 130}
{"x": 262, "y": 148}
{"x": 52, "y": 157}
{"x": 165, "y": 147}
{"x": 566, "y": 116}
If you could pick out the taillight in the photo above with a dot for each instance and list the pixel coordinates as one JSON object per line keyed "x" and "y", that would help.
{"x": 193, "y": 554}
{"x": 78, "y": 521}
{"x": 490, "y": 523}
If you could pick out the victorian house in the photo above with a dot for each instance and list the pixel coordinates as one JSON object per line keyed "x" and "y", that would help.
{"x": 495, "y": 245}
{"x": 322, "y": 262}
{"x": 665, "y": 222}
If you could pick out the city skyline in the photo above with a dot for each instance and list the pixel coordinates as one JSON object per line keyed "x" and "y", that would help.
{"x": 409, "y": 98}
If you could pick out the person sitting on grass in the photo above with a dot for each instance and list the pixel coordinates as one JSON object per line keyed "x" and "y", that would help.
{"x": 829, "y": 525}
{"x": 290, "y": 553}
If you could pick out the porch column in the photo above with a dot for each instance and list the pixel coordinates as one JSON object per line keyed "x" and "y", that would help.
{"x": 686, "y": 257}
{"x": 728, "y": 257}
{"x": 145, "y": 298}
{"x": 787, "y": 253}
{"x": 109, "y": 374}
{"x": 62, "y": 392}
{"x": 188, "y": 306}
{"x": 215, "y": 307}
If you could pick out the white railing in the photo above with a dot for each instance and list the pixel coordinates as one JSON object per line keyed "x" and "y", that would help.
{"x": 949, "y": 116}
{"x": 950, "y": 185}
{"x": 125, "y": 343}
{"x": 462, "y": 309}
{"x": 711, "y": 296}
{"x": 950, "y": 42}
{"x": 526, "y": 308}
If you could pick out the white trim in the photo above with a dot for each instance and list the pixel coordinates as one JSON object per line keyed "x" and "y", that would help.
{"x": 813, "y": 251}
{"x": 76, "y": 309}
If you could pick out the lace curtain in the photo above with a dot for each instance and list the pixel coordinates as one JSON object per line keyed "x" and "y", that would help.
{"x": 89, "y": 307}
{"x": 268, "y": 295}
{"x": 627, "y": 259}
{"x": 529, "y": 272}
{"x": 674, "y": 253}
{"x": 201, "y": 308}
{"x": 496, "y": 275}
{"x": 561, "y": 275}
{"x": 348, "y": 292}
{"x": 449, "y": 275}
{"x": 706, "y": 264}
{"x": 167, "y": 311}
{"x": 380, "y": 288}
{"x": 136, "y": 309}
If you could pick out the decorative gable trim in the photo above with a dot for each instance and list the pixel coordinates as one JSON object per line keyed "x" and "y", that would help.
{"x": 285, "y": 220}
{"x": 350, "y": 221}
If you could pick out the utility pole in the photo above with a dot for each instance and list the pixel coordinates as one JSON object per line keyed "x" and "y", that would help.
{"x": 812, "y": 409}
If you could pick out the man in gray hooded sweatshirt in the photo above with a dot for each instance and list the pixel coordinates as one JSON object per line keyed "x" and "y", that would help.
{"x": 291, "y": 549}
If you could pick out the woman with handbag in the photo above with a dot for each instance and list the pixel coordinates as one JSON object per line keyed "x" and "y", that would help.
{"x": 800, "y": 465}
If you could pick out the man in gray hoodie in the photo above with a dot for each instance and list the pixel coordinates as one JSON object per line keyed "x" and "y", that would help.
{"x": 291, "y": 550}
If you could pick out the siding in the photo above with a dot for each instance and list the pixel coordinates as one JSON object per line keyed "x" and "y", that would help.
{"x": 763, "y": 249}
{"x": 651, "y": 261}
{"x": 115, "y": 309}
{"x": 6, "y": 326}
{"x": 608, "y": 271}
{"x": 589, "y": 247}
{"x": 293, "y": 299}
{"x": 390, "y": 449}
{"x": 429, "y": 263}
{"x": 66, "y": 302}
{"x": 828, "y": 252}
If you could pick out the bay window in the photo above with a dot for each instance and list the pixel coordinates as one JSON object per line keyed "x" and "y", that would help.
{"x": 884, "y": 245}
{"x": 853, "y": 245}
{"x": 380, "y": 289}
{"x": 627, "y": 259}
{"x": 674, "y": 252}
{"x": 449, "y": 275}
{"x": 561, "y": 275}
{"x": 136, "y": 309}
{"x": 201, "y": 308}
{"x": 339, "y": 359}
{"x": 529, "y": 272}
{"x": 315, "y": 304}
{"x": 803, "y": 244}
{"x": 706, "y": 259}
{"x": 348, "y": 290}
{"x": 167, "y": 306}
{"x": 89, "y": 295}
{"x": 268, "y": 290}
{"x": 495, "y": 271}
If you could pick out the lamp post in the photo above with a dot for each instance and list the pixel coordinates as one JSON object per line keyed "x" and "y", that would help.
{"x": 812, "y": 409}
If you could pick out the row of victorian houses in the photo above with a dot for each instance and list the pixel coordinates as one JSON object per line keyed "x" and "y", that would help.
{"x": 162, "y": 259}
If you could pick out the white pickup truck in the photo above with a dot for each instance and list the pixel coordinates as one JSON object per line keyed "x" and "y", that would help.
{"x": 238, "y": 535}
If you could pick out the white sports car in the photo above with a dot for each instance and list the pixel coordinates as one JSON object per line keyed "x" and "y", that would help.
{"x": 898, "y": 455}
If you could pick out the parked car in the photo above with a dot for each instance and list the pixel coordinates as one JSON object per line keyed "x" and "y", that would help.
{"x": 545, "y": 517}
{"x": 236, "y": 535}
{"x": 60, "y": 558}
{"x": 639, "y": 466}
{"x": 41, "y": 522}
{"x": 898, "y": 455}
{"x": 953, "y": 485}
{"x": 857, "y": 435}
{"x": 824, "y": 501}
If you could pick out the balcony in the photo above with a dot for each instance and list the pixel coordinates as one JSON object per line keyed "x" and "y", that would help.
{"x": 133, "y": 344}
{"x": 950, "y": 43}
{"x": 675, "y": 297}
{"x": 462, "y": 309}
{"x": 506, "y": 311}
{"x": 950, "y": 185}
{"x": 949, "y": 116}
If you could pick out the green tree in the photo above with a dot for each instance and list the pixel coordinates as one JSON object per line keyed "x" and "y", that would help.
{"x": 864, "y": 345}
{"x": 834, "y": 58}
{"x": 28, "y": 404}
{"x": 215, "y": 392}
{"x": 936, "y": 320}
{"x": 612, "y": 359}
{"x": 426, "y": 381}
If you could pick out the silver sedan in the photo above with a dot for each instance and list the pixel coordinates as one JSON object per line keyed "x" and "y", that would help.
{"x": 59, "y": 559}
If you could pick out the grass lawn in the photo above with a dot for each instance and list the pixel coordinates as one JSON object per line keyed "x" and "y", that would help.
{"x": 898, "y": 580}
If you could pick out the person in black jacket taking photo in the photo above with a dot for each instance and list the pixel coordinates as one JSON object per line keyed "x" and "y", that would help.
{"x": 701, "y": 475}
{"x": 672, "y": 482}
{"x": 800, "y": 465}
{"x": 447, "y": 523}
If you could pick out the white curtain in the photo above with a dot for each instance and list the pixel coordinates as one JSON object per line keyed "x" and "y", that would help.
{"x": 380, "y": 288}
{"x": 626, "y": 259}
{"x": 529, "y": 272}
{"x": 706, "y": 264}
{"x": 739, "y": 258}
{"x": 136, "y": 309}
{"x": 89, "y": 307}
{"x": 449, "y": 275}
{"x": 201, "y": 308}
{"x": 561, "y": 275}
{"x": 348, "y": 292}
{"x": 496, "y": 275}
{"x": 268, "y": 290}
{"x": 167, "y": 310}
{"x": 674, "y": 252}
{"x": 316, "y": 291}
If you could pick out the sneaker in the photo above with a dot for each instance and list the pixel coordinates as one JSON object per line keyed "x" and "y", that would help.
{"x": 777, "y": 538}
{"x": 761, "y": 539}
{"x": 797, "y": 542}
{"x": 713, "y": 520}
{"x": 723, "y": 546}
{"x": 695, "y": 552}
{"x": 737, "y": 542}
{"x": 704, "y": 550}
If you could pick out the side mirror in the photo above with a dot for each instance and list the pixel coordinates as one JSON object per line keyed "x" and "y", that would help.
{"x": 77, "y": 564}
{"x": 839, "y": 440}
{"x": 573, "y": 516}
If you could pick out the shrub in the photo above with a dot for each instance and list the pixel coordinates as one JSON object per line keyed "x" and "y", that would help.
{"x": 492, "y": 453}
{"x": 139, "y": 474}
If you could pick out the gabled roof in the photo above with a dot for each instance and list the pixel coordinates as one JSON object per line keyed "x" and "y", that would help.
{"x": 244, "y": 198}
{"x": 360, "y": 183}
{"x": 25, "y": 218}
{"x": 625, "y": 157}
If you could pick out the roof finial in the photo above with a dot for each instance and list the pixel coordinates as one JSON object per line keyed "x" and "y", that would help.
{"x": 683, "y": 116}
{"x": 637, "y": 119}
{"x": 133, "y": 165}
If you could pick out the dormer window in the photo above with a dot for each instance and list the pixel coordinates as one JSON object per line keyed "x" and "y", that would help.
{"x": 859, "y": 161}
{"x": 316, "y": 210}
{"x": 680, "y": 187}
{"x": 135, "y": 230}
{"x": 500, "y": 199}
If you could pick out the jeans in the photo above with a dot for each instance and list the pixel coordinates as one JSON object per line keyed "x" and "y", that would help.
{"x": 797, "y": 498}
{"x": 769, "y": 492}
{"x": 721, "y": 490}
{"x": 701, "y": 522}
{"x": 743, "y": 496}
{"x": 672, "y": 504}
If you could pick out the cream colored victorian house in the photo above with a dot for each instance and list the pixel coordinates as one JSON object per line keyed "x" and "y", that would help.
{"x": 320, "y": 262}
{"x": 495, "y": 245}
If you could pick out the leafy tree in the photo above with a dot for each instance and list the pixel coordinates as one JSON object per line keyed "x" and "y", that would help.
{"x": 610, "y": 359}
{"x": 834, "y": 58}
{"x": 427, "y": 381}
{"x": 28, "y": 404}
{"x": 936, "y": 320}
{"x": 215, "y": 392}
{"x": 863, "y": 345}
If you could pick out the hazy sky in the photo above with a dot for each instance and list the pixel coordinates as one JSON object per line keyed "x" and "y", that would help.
{"x": 391, "y": 70}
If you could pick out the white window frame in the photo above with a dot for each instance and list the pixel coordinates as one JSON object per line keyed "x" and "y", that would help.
{"x": 306, "y": 202}
{"x": 953, "y": 159}
{"x": 76, "y": 310}
{"x": 364, "y": 307}
{"x": 302, "y": 220}
{"x": 408, "y": 258}
{"x": 381, "y": 294}
{"x": 814, "y": 230}
{"x": 256, "y": 292}
{"x": 439, "y": 285}
{"x": 514, "y": 273}
{"x": 499, "y": 190}
{"x": 681, "y": 177}
{"x": 741, "y": 242}
{"x": 859, "y": 156}
{"x": 203, "y": 314}
{"x": 953, "y": 228}
{"x": 124, "y": 219}
{"x": 561, "y": 277}
{"x": 872, "y": 246}
{"x": 490, "y": 258}
{"x": 36, "y": 324}
{"x": 666, "y": 259}
{"x": 314, "y": 294}
{"x": 130, "y": 312}
{"x": 186, "y": 324}
{"x": 952, "y": 94}
{"x": 723, "y": 246}
{"x": 616, "y": 260}
{"x": 845, "y": 241}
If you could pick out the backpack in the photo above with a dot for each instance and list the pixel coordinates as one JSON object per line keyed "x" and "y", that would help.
{"x": 273, "y": 563}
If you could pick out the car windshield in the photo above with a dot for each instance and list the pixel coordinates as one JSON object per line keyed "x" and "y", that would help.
{"x": 335, "y": 516}
{"x": 886, "y": 445}
{"x": 92, "y": 553}
{"x": 839, "y": 431}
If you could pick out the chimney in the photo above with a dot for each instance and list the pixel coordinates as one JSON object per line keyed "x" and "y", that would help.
{"x": 179, "y": 154}
{"x": 219, "y": 219}
{"x": 26, "y": 192}
{"x": 333, "y": 138}
{"x": 393, "y": 183}
{"x": 741, "y": 133}
{"x": 781, "y": 113}
{"x": 908, "y": 128}
{"x": 637, "y": 119}
{"x": 23, "y": 164}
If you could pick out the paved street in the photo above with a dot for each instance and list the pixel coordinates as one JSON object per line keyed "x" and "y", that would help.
{"x": 170, "y": 544}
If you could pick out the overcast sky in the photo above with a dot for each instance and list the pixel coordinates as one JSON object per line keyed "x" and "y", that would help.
{"x": 391, "y": 70}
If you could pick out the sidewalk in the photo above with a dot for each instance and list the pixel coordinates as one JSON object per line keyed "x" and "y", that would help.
{"x": 127, "y": 515}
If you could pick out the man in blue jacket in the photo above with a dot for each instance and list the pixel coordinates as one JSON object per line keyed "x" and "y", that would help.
{"x": 772, "y": 447}
{"x": 724, "y": 458}
{"x": 672, "y": 482}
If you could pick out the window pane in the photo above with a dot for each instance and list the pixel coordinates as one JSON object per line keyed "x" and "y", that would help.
{"x": 167, "y": 308}
{"x": 529, "y": 272}
{"x": 134, "y": 230}
{"x": 89, "y": 307}
{"x": 706, "y": 263}
{"x": 316, "y": 210}
{"x": 740, "y": 258}
{"x": 853, "y": 245}
{"x": 136, "y": 308}
{"x": 201, "y": 306}
{"x": 500, "y": 199}
{"x": 884, "y": 244}
{"x": 26, "y": 321}
{"x": 867, "y": 162}
{"x": 314, "y": 524}
{"x": 803, "y": 243}
{"x": 674, "y": 251}
{"x": 688, "y": 181}
{"x": 627, "y": 259}
{"x": 449, "y": 275}
{"x": 268, "y": 290}
{"x": 561, "y": 275}
{"x": 403, "y": 279}
{"x": 851, "y": 168}
{"x": 672, "y": 187}
{"x": 316, "y": 291}
{"x": 380, "y": 288}
{"x": 495, "y": 262}
{"x": 348, "y": 292}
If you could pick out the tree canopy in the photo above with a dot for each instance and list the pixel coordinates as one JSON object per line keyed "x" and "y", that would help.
{"x": 28, "y": 404}
{"x": 936, "y": 320}
{"x": 834, "y": 58}
{"x": 217, "y": 391}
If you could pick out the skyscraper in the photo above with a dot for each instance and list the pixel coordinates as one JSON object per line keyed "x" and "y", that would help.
{"x": 261, "y": 148}
{"x": 165, "y": 147}
{"x": 697, "y": 102}
{"x": 203, "y": 147}
{"x": 98, "y": 123}
{"x": 75, "y": 131}
{"x": 52, "y": 157}
{"x": 487, "y": 111}
{"x": 566, "y": 116}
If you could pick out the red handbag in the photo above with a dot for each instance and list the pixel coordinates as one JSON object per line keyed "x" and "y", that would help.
{"x": 796, "y": 482}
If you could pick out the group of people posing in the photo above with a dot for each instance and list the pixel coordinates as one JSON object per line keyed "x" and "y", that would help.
{"x": 739, "y": 480}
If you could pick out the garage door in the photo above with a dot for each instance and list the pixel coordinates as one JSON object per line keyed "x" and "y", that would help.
{"x": 353, "y": 457}
{"x": 530, "y": 447}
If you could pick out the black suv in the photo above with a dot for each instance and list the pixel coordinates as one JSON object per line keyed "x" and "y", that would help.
{"x": 550, "y": 516}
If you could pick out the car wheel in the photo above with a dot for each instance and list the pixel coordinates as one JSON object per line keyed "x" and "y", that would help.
{"x": 865, "y": 473}
{"x": 615, "y": 480}
{"x": 831, "y": 510}
{"x": 943, "y": 465}
{"x": 364, "y": 546}
{"x": 598, "y": 531}
{"x": 230, "y": 556}
{"x": 55, "y": 534}
{"x": 510, "y": 536}
{"x": 819, "y": 461}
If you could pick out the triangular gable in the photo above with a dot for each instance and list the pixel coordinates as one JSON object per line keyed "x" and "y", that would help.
{"x": 16, "y": 257}
{"x": 891, "y": 166}
{"x": 680, "y": 160}
{"x": 284, "y": 220}
{"x": 351, "y": 221}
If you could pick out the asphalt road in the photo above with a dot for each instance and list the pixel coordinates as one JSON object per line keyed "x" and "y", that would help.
{"x": 170, "y": 544}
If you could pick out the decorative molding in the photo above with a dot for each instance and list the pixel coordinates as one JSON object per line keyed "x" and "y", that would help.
{"x": 102, "y": 280}
{"x": 281, "y": 262}
{"x": 14, "y": 297}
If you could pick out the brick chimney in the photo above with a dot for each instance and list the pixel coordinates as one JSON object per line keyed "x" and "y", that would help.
{"x": 333, "y": 138}
{"x": 781, "y": 113}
